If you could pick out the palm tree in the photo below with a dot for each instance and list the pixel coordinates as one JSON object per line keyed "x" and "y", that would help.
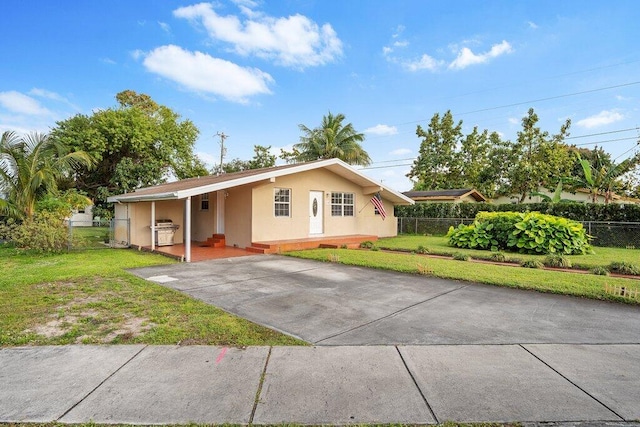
{"x": 331, "y": 140}
{"x": 602, "y": 179}
{"x": 30, "y": 168}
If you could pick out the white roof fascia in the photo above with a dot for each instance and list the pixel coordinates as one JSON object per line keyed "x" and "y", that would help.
{"x": 133, "y": 197}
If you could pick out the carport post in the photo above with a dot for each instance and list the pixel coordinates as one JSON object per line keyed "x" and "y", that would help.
{"x": 187, "y": 229}
{"x": 153, "y": 226}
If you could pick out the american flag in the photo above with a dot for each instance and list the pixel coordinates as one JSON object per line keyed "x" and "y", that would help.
{"x": 377, "y": 202}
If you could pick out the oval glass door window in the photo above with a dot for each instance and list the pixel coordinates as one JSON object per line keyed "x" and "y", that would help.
{"x": 315, "y": 207}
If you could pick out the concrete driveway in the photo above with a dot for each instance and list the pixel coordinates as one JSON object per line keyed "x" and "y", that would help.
{"x": 333, "y": 304}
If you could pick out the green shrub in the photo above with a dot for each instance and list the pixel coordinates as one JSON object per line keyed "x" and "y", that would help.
{"x": 599, "y": 271}
{"x": 570, "y": 210}
{"x": 460, "y": 256}
{"x": 375, "y": 248}
{"x": 532, "y": 233}
{"x": 422, "y": 250}
{"x": 544, "y": 234}
{"x": 532, "y": 263}
{"x": 367, "y": 244}
{"x": 556, "y": 260}
{"x": 624, "y": 268}
{"x": 498, "y": 257}
{"x": 45, "y": 232}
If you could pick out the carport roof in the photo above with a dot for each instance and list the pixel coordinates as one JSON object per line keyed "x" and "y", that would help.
{"x": 206, "y": 184}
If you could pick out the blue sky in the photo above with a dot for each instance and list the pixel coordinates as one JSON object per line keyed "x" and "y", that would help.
{"x": 256, "y": 69}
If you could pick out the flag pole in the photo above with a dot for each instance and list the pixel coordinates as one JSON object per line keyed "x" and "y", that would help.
{"x": 364, "y": 206}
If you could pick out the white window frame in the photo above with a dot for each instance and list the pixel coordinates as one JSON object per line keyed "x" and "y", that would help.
{"x": 282, "y": 207}
{"x": 204, "y": 198}
{"x": 339, "y": 206}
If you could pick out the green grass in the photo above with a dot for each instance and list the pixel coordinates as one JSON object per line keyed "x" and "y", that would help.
{"x": 438, "y": 245}
{"x": 87, "y": 297}
{"x": 568, "y": 283}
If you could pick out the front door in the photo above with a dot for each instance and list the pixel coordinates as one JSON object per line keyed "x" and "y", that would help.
{"x": 315, "y": 212}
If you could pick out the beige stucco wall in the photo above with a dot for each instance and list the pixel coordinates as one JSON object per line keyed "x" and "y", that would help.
{"x": 139, "y": 215}
{"x": 578, "y": 197}
{"x": 237, "y": 215}
{"x": 203, "y": 223}
{"x": 266, "y": 226}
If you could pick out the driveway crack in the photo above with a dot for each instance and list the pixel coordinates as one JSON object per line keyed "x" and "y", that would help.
{"x": 571, "y": 382}
{"x": 409, "y": 307}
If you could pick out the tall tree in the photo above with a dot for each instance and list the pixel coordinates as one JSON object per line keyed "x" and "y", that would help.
{"x": 31, "y": 167}
{"x": 540, "y": 159}
{"x": 332, "y": 139}
{"x": 262, "y": 158}
{"x": 138, "y": 143}
{"x": 438, "y": 165}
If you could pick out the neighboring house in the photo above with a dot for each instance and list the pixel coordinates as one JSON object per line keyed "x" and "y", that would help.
{"x": 581, "y": 196}
{"x": 298, "y": 201}
{"x": 468, "y": 195}
{"x": 82, "y": 217}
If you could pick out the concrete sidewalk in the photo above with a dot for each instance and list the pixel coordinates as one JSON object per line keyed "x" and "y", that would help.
{"x": 321, "y": 385}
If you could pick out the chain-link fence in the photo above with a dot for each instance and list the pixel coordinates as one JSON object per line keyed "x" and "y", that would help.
{"x": 98, "y": 234}
{"x": 612, "y": 234}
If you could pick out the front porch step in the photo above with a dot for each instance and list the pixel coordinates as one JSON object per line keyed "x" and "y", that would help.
{"x": 334, "y": 242}
{"x": 216, "y": 241}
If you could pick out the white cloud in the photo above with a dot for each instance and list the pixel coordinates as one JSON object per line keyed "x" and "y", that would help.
{"x": 399, "y": 30}
{"x": 602, "y": 118}
{"x": 466, "y": 57}
{"x": 165, "y": 27}
{"x": 382, "y": 130}
{"x": 400, "y": 152}
{"x": 43, "y": 93}
{"x": 426, "y": 62}
{"x": 203, "y": 73}
{"x": 514, "y": 120}
{"x": 20, "y": 103}
{"x": 108, "y": 61}
{"x": 294, "y": 41}
{"x": 532, "y": 25}
{"x": 137, "y": 54}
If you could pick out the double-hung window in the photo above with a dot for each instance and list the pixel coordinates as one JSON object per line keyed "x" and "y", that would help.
{"x": 204, "y": 202}
{"x": 282, "y": 202}
{"x": 342, "y": 204}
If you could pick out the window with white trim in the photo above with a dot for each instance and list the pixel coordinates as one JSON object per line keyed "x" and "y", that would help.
{"x": 342, "y": 204}
{"x": 282, "y": 201}
{"x": 204, "y": 202}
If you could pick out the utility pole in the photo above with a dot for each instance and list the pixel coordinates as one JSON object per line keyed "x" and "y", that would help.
{"x": 222, "y": 149}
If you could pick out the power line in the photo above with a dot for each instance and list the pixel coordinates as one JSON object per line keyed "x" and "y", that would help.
{"x": 566, "y": 95}
{"x": 602, "y": 133}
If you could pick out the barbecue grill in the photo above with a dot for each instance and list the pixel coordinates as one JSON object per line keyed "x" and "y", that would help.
{"x": 165, "y": 232}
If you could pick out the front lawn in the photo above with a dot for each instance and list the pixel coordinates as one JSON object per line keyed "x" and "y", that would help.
{"x": 438, "y": 245}
{"x": 87, "y": 297}
{"x": 568, "y": 283}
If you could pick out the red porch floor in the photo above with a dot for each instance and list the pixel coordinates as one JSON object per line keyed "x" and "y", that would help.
{"x": 201, "y": 251}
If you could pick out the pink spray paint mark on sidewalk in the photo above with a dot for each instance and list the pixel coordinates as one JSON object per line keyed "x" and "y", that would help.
{"x": 221, "y": 355}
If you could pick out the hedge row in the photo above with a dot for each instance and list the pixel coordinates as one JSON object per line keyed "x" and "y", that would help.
{"x": 574, "y": 211}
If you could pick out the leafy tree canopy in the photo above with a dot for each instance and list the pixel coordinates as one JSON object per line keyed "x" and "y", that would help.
{"x": 449, "y": 159}
{"x": 262, "y": 158}
{"x": 136, "y": 144}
